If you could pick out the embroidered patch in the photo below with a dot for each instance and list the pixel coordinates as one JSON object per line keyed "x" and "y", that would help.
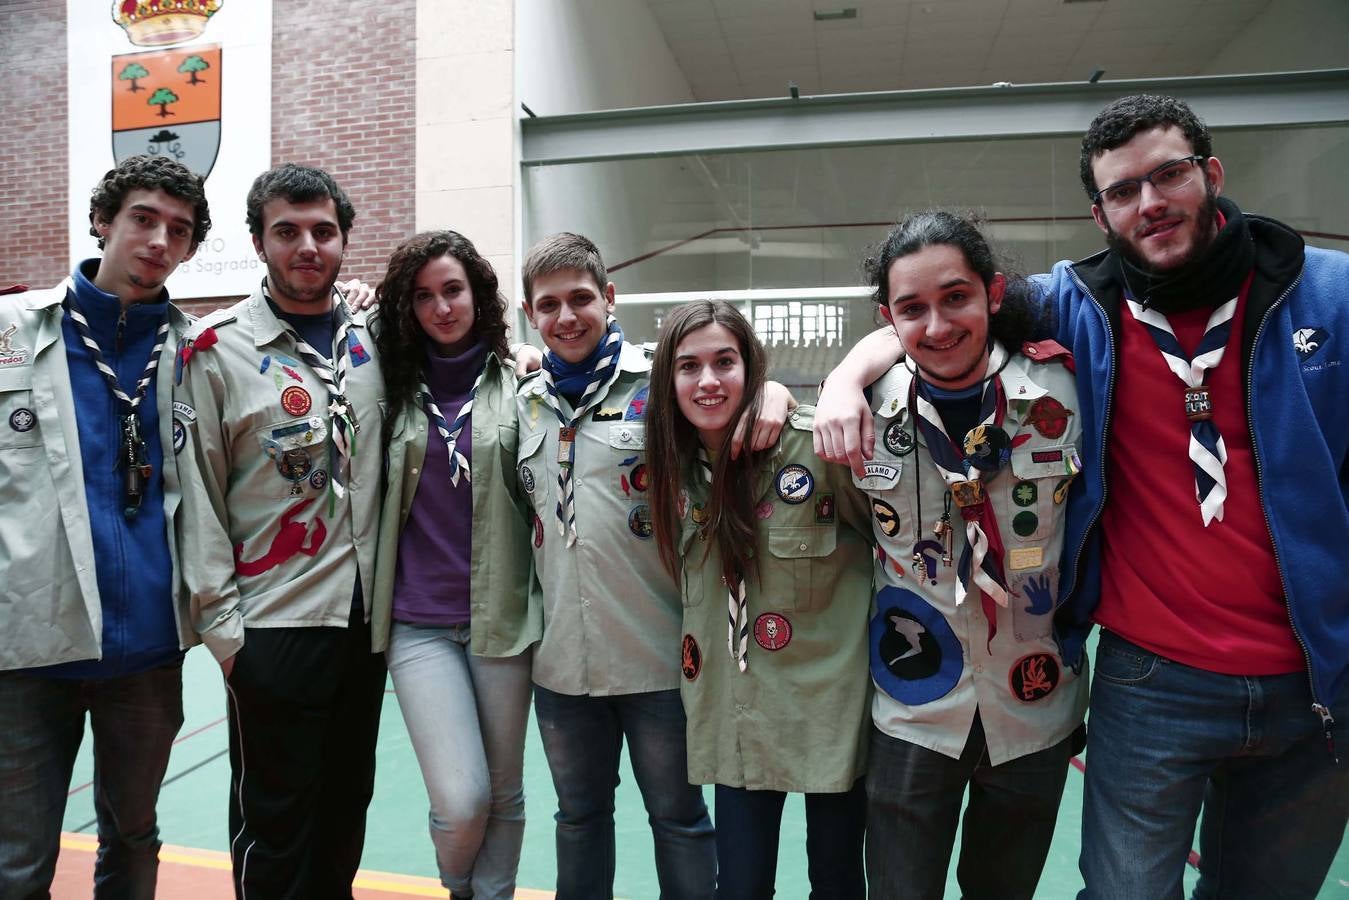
{"x": 359, "y": 355}
{"x": 1306, "y": 341}
{"x": 1025, "y": 493}
{"x": 824, "y": 509}
{"x": 527, "y": 479}
{"x": 699, "y": 514}
{"x": 879, "y": 470}
{"x": 898, "y": 439}
{"x": 1061, "y": 490}
{"x": 1033, "y": 677}
{"x": 22, "y": 419}
{"x": 182, "y": 411}
{"x": 318, "y": 480}
{"x": 915, "y": 656}
{"x": 291, "y": 538}
{"x": 794, "y": 484}
{"x": 772, "y": 631}
{"x": 637, "y": 406}
{"x": 639, "y": 521}
{"x": 1036, "y": 589}
{"x": 1025, "y": 523}
{"x": 264, "y": 365}
{"x": 682, "y": 504}
{"x": 1046, "y": 456}
{"x": 927, "y": 554}
{"x": 294, "y": 465}
{"x": 179, "y": 437}
{"x": 293, "y": 374}
{"x": 690, "y": 658}
{"x": 295, "y": 400}
{"x": 1025, "y": 558}
{"x": 9, "y": 354}
{"x": 765, "y": 509}
{"x": 607, "y": 414}
{"x": 1049, "y": 417}
{"x": 640, "y": 479}
{"x": 987, "y": 447}
{"x": 538, "y": 531}
{"x": 887, "y": 519}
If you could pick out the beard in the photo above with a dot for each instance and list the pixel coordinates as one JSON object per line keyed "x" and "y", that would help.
{"x": 289, "y": 290}
{"x": 1206, "y": 231}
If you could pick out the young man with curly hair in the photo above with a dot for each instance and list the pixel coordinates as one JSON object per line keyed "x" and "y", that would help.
{"x": 88, "y": 473}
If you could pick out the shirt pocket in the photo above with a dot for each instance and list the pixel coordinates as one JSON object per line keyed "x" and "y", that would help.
{"x": 795, "y": 573}
{"x": 297, "y": 451}
{"x": 1036, "y": 475}
{"x": 693, "y": 561}
{"x": 531, "y": 470}
{"x": 627, "y": 454}
{"x": 19, "y": 428}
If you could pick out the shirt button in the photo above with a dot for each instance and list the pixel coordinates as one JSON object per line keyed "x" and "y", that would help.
{"x": 978, "y": 668}
{"x": 625, "y": 434}
{"x": 414, "y": 470}
{"x": 804, "y": 546}
{"x": 577, "y": 482}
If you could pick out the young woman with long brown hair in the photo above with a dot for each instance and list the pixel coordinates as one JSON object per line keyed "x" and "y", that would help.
{"x": 772, "y": 553}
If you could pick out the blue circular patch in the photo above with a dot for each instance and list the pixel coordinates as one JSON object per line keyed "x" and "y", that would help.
{"x": 915, "y": 656}
{"x": 319, "y": 480}
{"x": 794, "y": 483}
{"x": 22, "y": 419}
{"x": 179, "y": 437}
{"x": 639, "y": 521}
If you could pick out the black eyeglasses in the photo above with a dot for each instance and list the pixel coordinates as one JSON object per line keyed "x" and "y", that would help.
{"x": 1168, "y": 178}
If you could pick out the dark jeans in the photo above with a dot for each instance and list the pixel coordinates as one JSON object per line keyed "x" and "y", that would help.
{"x": 583, "y": 739}
{"x": 1165, "y": 739}
{"x": 748, "y": 824}
{"x": 134, "y": 720}
{"x": 304, "y": 707}
{"x": 913, "y": 804}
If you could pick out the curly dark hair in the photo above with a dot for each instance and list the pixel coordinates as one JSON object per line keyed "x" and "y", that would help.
{"x": 297, "y": 184}
{"x": 1021, "y": 317}
{"x": 1120, "y": 121}
{"x": 401, "y": 341}
{"x": 149, "y": 173}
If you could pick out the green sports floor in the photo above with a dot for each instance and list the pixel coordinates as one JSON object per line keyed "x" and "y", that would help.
{"x": 192, "y": 808}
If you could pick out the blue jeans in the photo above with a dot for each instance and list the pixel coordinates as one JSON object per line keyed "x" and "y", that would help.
{"x": 134, "y": 720}
{"x": 748, "y": 826}
{"x": 466, "y": 717}
{"x": 1165, "y": 738}
{"x": 914, "y": 797}
{"x": 583, "y": 738}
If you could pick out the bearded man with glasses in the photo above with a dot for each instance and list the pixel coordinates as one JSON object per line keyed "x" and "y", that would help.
{"x": 1211, "y": 386}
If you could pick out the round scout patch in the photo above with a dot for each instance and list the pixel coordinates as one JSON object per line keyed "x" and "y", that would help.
{"x": 527, "y": 479}
{"x": 898, "y": 439}
{"x": 639, "y": 521}
{"x": 1025, "y": 523}
{"x": 794, "y": 484}
{"x": 915, "y": 656}
{"x": 887, "y": 520}
{"x": 699, "y": 514}
{"x": 1034, "y": 677}
{"x": 690, "y": 658}
{"x": 294, "y": 465}
{"x": 987, "y": 448}
{"x": 318, "y": 480}
{"x": 22, "y": 419}
{"x": 1049, "y": 417}
{"x": 640, "y": 478}
{"x": 295, "y": 400}
{"x": 764, "y": 510}
{"x": 179, "y": 437}
{"x": 1025, "y": 493}
{"x": 538, "y": 531}
{"x": 772, "y": 631}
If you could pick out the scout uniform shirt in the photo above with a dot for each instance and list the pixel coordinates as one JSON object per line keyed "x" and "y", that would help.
{"x": 267, "y": 543}
{"x": 931, "y": 660}
{"x": 504, "y": 621}
{"x": 45, "y": 537}
{"x": 610, "y": 610}
{"x": 796, "y": 718}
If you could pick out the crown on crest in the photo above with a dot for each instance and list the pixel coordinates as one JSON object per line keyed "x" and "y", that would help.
{"x": 156, "y": 23}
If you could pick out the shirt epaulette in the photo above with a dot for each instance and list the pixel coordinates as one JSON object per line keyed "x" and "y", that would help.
{"x": 1048, "y": 351}
{"x": 212, "y": 320}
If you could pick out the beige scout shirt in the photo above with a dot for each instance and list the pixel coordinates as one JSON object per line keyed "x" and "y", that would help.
{"x": 930, "y": 659}
{"x": 265, "y": 544}
{"x": 611, "y": 614}
{"x": 796, "y": 719}
{"x": 49, "y": 600}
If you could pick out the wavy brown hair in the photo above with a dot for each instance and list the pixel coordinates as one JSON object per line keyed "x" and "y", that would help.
{"x": 401, "y": 341}
{"x": 672, "y": 444}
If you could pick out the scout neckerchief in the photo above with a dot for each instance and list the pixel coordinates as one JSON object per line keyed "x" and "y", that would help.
{"x": 1207, "y": 450}
{"x": 450, "y": 433}
{"x": 981, "y": 560}
{"x": 343, "y": 425}
{"x": 737, "y": 607}
{"x": 602, "y": 374}
{"x": 132, "y": 458}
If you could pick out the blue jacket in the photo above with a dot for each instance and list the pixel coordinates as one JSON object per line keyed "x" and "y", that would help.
{"x": 1294, "y": 338}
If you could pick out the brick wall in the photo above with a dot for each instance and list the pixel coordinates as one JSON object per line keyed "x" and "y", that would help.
{"x": 343, "y": 92}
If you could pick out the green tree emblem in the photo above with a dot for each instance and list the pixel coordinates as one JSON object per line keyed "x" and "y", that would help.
{"x": 192, "y": 65}
{"x": 133, "y": 72}
{"x": 162, "y": 97}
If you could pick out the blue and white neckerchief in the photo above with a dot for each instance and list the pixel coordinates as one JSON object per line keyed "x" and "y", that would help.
{"x": 1207, "y": 450}
{"x": 981, "y": 560}
{"x": 450, "y": 433}
{"x": 737, "y": 606}
{"x": 602, "y": 374}
{"x": 344, "y": 426}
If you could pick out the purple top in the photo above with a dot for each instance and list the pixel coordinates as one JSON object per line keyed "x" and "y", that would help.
{"x": 431, "y": 586}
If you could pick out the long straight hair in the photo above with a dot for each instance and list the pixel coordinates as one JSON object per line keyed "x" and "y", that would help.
{"x": 672, "y": 444}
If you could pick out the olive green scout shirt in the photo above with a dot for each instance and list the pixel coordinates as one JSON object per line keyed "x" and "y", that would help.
{"x": 255, "y": 475}
{"x": 796, "y": 719}
{"x": 611, "y": 614}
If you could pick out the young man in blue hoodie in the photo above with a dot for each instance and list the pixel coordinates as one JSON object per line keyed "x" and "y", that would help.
{"x": 90, "y": 487}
